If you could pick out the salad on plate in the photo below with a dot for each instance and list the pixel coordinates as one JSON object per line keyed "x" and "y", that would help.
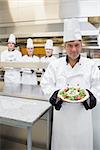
{"x": 74, "y": 95}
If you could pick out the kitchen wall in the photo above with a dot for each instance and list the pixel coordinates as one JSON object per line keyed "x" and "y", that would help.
{"x": 36, "y": 15}
{"x": 46, "y": 10}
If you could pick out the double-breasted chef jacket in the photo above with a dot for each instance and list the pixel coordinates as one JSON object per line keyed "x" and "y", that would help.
{"x": 72, "y": 124}
{"x": 48, "y": 60}
{"x": 29, "y": 75}
{"x": 11, "y": 75}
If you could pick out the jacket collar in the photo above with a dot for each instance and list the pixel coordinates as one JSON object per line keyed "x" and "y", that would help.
{"x": 78, "y": 60}
{"x": 48, "y": 56}
{"x": 30, "y": 56}
{"x": 11, "y": 50}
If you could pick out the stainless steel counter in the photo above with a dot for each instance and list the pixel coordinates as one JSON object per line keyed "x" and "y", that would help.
{"x": 17, "y": 138}
{"x": 19, "y": 112}
{"x": 40, "y": 136}
{"x": 23, "y": 91}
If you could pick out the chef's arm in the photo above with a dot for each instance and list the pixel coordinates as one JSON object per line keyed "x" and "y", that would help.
{"x": 32, "y": 71}
{"x": 94, "y": 90}
{"x": 95, "y": 82}
{"x": 48, "y": 82}
{"x": 27, "y": 70}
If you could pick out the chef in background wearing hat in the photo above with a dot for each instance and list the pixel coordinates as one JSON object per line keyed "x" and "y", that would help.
{"x": 11, "y": 55}
{"x": 29, "y": 75}
{"x": 49, "y": 52}
{"x": 72, "y": 122}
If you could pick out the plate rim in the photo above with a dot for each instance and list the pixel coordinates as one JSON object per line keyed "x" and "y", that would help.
{"x": 74, "y": 101}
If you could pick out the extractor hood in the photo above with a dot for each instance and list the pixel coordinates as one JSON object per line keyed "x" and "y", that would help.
{"x": 48, "y": 30}
{"x": 27, "y": 18}
{"x": 88, "y": 29}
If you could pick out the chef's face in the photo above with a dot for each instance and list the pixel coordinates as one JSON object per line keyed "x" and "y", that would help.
{"x": 11, "y": 46}
{"x": 73, "y": 48}
{"x": 30, "y": 51}
{"x": 49, "y": 52}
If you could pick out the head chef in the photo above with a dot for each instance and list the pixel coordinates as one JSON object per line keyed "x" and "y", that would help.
{"x": 49, "y": 48}
{"x": 72, "y": 40}
{"x": 11, "y": 42}
{"x": 72, "y": 71}
{"x": 30, "y": 47}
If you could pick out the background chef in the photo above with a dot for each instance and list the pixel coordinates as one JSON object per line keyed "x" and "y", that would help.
{"x": 49, "y": 52}
{"x": 29, "y": 75}
{"x": 72, "y": 124}
{"x": 11, "y": 55}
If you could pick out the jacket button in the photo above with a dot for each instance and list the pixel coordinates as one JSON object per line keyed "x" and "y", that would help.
{"x": 78, "y": 85}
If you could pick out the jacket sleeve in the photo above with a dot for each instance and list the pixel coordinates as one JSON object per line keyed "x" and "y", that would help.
{"x": 95, "y": 82}
{"x": 48, "y": 81}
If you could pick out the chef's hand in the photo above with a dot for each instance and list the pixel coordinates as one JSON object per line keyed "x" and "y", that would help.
{"x": 91, "y": 102}
{"x": 21, "y": 72}
{"x": 58, "y": 105}
{"x": 32, "y": 71}
{"x": 43, "y": 70}
{"x": 55, "y": 101}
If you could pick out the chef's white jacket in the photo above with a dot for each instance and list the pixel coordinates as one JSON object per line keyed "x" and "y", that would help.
{"x": 72, "y": 124}
{"x": 28, "y": 77}
{"x": 48, "y": 59}
{"x": 11, "y": 74}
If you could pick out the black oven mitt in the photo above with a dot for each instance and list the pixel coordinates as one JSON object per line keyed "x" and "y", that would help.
{"x": 91, "y": 102}
{"x": 56, "y": 102}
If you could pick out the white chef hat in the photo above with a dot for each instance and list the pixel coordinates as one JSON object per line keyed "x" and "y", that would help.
{"x": 12, "y": 39}
{"x": 30, "y": 43}
{"x": 49, "y": 44}
{"x": 72, "y": 30}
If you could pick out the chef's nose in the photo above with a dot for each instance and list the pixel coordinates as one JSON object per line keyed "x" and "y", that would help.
{"x": 73, "y": 48}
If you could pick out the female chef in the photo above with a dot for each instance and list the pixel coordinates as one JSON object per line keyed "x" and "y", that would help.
{"x": 29, "y": 75}
{"x": 49, "y": 52}
{"x": 11, "y": 55}
{"x": 72, "y": 124}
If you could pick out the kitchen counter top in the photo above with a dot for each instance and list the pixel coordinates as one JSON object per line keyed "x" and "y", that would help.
{"x": 22, "y": 113}
{"x": 23, "y": 91}
{"x": 21, "y": 110}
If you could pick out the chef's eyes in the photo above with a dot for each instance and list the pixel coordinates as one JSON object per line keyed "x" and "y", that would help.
{"x": 73, "y": 46}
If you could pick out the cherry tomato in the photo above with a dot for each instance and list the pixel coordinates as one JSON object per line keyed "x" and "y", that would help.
{"x": 78, "y": 98}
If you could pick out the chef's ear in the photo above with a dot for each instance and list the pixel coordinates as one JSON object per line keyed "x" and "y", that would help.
{"x": 65, "y": 43}
{"x": 15, "y": 45}
{"x": 82, "y": 43}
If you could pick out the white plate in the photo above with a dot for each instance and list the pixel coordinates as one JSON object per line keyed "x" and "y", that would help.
{"x": 73, "y": 101}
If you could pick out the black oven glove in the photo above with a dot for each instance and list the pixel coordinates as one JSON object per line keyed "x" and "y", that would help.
{"x": 91, "y": 102}
{"x": 56, "y": 102}
{"x": 58, "y": 105}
